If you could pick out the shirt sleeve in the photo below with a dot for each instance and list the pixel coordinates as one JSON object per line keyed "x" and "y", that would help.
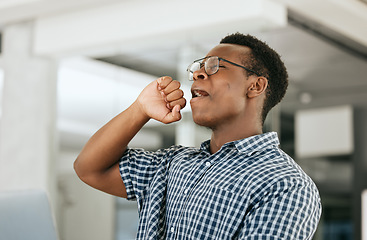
{"x": 291, "y": 213}
{"x": 137, "y": 168}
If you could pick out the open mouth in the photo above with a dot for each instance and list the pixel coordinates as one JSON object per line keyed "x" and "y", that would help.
{"x": 198, "y": 93}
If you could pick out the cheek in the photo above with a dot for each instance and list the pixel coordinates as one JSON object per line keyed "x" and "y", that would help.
{"x": 236, "y": 87}
{"x": 234, "y": 96}
{"x": 235, "y": 104}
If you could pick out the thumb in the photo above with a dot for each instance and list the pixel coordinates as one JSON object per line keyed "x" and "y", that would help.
{"x": 176, "y": 112}
{"x": 174, "y": 115}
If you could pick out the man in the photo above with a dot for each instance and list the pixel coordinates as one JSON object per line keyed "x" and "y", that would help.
{"x": 239, "y": 184}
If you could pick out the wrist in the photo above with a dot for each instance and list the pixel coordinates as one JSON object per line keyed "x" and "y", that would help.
{"x": 138, "y": 113}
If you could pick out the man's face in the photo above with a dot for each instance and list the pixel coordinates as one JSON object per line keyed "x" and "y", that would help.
{"x": 220, "y": 98}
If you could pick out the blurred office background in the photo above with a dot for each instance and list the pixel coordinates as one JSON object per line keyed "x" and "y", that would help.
{"x": 67, "y": 67}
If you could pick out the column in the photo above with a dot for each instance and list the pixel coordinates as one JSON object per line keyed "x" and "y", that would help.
{"x": 27, "y": 126}
{"x": 360, "y": 168}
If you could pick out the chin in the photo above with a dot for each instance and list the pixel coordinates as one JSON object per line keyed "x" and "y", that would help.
{"x": 202, "y": 121}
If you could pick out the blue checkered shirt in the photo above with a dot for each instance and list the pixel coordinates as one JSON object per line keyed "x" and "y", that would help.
{"x": 249, "y": 189}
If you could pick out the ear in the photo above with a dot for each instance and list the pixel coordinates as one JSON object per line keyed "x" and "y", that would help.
{"x": 257, "y": 87}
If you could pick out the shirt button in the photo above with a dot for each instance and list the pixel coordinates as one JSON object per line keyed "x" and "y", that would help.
{"x": 172, "y": 229}
{"x": 207, "y": 164}
{"x": 186, "y": 191}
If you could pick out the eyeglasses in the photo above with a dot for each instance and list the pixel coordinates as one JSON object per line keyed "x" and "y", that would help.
{"x": 211, "y": 66}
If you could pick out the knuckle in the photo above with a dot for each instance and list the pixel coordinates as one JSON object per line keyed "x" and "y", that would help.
{"x": 166, "y": 81}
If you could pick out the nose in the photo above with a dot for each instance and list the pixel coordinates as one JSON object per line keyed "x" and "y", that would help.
{"x": 200, "y": 74}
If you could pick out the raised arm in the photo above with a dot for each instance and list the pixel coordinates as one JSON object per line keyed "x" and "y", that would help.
{"x": 97, "y": 164}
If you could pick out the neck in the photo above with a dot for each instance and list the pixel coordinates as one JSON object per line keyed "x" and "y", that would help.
{"x": 232, "y": 132}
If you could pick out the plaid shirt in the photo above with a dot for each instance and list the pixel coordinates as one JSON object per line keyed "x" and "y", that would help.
{"x": 249, "y": 189}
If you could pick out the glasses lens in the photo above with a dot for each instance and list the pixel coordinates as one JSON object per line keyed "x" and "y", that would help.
{"x": 192, "y": 68}
{"x": 211, "y": 65}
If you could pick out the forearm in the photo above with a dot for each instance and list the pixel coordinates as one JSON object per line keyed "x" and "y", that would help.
{"x": 98, "y": 162}
{"x": 107, "y": 145}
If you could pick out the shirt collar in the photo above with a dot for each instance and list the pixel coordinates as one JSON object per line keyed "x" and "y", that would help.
{"x": 205, "y": 146}
{"x": 251, "y": 144}
{"x": 257, "y": 143}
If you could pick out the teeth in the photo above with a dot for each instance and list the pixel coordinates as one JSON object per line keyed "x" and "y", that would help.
{"x": 197, "y": 93}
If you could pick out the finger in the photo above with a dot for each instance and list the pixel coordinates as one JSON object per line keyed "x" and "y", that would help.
{"x": 177, "y": 94}
{"x": 181, "y": 102}
{"x": 163, "y": 82}
{"x": 172, "y": 86}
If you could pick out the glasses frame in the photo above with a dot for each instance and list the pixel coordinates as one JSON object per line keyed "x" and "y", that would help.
{"x": 219, "y": 59}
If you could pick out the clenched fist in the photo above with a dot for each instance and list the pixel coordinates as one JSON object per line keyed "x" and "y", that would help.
{"x": 162, "y": 100}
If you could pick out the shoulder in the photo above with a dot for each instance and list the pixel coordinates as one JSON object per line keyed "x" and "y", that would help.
{"x": 274, "y": 170}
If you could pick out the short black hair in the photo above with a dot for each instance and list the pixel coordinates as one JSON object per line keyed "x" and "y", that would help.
{"x": 267, "y": 62}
